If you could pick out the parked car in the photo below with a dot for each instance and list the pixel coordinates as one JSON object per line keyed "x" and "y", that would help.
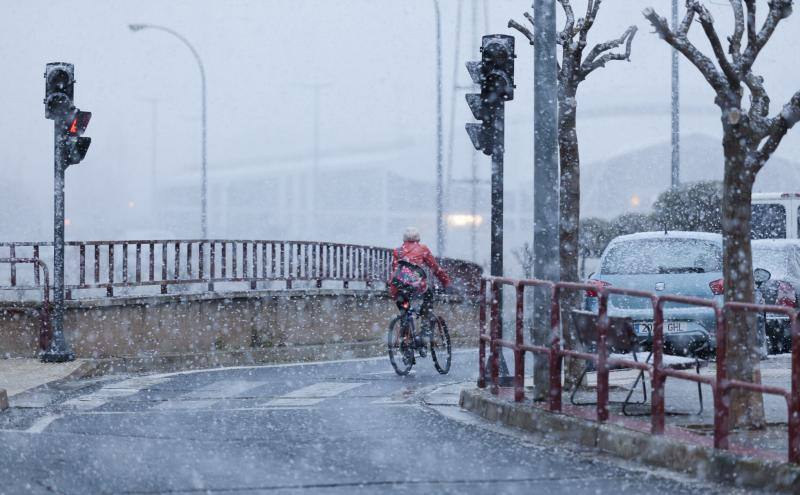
{"x": 683, "y": 263}
{"x": 782, "y": 258}
{"x": 775, "y": 216}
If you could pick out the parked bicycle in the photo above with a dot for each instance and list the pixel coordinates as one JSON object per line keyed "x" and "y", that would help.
{"x": 404, "y": 343}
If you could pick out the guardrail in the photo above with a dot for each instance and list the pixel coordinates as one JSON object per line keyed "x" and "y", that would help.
{"x": 720, "y": 384}
{"x": 45, "y": 330}
{"x": 111, "y": 265}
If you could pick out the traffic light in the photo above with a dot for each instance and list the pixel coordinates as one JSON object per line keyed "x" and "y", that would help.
{"x": 59, "y": 93}
{"x": 495, "y": 75}
{"x": 76, "y": 144}
{"x": 59, "y": 89}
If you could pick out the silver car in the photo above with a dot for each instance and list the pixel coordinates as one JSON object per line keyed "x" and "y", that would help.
{"x": 782, "y": 258}
{"x": 674, "y": 262}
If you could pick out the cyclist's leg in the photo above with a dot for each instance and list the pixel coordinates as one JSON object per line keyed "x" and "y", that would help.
{"x": 425, "y": 311}
{"x": 403, "y": 302}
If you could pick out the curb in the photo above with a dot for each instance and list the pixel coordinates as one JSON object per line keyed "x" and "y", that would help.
{"x": 699, "y": 461}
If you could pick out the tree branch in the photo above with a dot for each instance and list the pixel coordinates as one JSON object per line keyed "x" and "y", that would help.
{"x": 707, "y": 22}
{"x": 592, "y": 7}
{"x": 592, "y": 62}
{"x": 759, "y": 105}
{"x": 778, "y": 11}
{"x": 569, "y": 25}
{"x": 686, "y": 23}
{"x": 751, "y": 21}
{"x": 789, "y": 116}
{"x": 680, "y": 42}
{"x": 735, "y": 41}
{"x": 527, "y": 32}
{"x": 522, "y": 29}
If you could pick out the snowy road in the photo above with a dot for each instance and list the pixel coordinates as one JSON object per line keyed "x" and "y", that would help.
{"x": 343, "y": 427}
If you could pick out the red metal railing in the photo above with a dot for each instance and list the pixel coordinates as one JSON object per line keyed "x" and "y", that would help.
{"x": 45, "y": 331}
{"x": 111, "y": 265}
{"x": 720, "y": 384}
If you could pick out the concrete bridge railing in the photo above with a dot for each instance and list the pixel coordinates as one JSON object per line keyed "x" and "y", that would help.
{"x": 267, "y": 298}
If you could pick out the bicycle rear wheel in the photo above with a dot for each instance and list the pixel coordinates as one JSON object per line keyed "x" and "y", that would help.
{"x": 441, "y": 351}
{"x": 399, "y": 344}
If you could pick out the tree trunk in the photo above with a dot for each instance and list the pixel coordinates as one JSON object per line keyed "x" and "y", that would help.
{"x": 747, "y": 409}
{"x": 569, "y": 221}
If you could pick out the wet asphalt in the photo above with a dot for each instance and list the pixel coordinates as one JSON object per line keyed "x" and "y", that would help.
{"x": 332, "y": 428}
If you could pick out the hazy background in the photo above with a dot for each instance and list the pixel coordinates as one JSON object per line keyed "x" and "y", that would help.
{"x": 376, "y": 60}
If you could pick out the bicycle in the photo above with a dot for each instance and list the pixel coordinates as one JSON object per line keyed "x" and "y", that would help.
{"x": 402, "y": 341}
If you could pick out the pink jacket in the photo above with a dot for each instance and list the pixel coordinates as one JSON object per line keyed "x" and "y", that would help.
{"x": 420, "y": 255}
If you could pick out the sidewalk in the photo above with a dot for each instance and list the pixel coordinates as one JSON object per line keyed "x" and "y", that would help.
{"x": 19, "y": 374}
{"x": 756, "y": 458}
{"x": 682, "y": 397}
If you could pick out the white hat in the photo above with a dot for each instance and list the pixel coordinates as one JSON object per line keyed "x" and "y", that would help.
{"x": 411, "y": 234}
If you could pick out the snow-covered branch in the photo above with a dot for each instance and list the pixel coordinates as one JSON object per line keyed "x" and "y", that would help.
{"x": 595, "y": 60}
{"x": 759, "y": 104}
{"x": 569, "y": 25}
{"x": 778, "y": 10}
{"x": 592, "y": 7}
{"x": 680, "y": 42}
{"x": 735, "y": 41}
{"x": 522, "y": 29}
{"x": 789, "y": 116}
{"x": 707, "y": 22}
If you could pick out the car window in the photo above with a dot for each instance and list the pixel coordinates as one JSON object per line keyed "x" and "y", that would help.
{"x": 775, "y": 260}
{"x": 650, "y": 256}
{"x": 798, "y": 222}
{"x": 768, "y": 221}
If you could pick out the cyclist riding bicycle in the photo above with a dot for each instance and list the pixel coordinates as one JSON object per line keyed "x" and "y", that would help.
{"x": 409, "y": 278}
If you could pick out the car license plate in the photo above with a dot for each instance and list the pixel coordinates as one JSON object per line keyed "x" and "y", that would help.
{"x": 643, "y": 328}
{"x": 646, "y": 328}
{"x": 675, "y": 326}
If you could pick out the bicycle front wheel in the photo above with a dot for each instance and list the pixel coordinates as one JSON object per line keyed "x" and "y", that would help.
{"x": 441, "y": 351}
{"x": 399, "y": 345}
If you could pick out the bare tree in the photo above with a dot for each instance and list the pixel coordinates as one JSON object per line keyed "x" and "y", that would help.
{"x": 750, "y": 136}
{"x": 524, "y": 256}
{"x": 573, "y": 69}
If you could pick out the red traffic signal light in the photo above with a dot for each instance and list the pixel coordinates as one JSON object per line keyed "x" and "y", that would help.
{"x": 79, "y": 123}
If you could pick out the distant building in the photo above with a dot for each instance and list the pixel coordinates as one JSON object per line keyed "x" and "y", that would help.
{"x": 361, "y": 198}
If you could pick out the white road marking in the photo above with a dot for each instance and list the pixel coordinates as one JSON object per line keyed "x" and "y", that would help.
{"x": 40, "y": 424}
{"x": 209, "y": 395}
{"x": 124, "y": 388}
{"x": 311, "y": 395}
{"x": 292, "y": 365}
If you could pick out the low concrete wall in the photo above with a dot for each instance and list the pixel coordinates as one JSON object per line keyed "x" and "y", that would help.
{"x": 144, "y": 327}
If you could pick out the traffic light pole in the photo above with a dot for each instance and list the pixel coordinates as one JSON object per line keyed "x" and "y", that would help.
{"x": 58, "y": 350}
{"x": 496, "y": 253}
{"x": 498, "y": 148}
{"x": 495, "y": 74}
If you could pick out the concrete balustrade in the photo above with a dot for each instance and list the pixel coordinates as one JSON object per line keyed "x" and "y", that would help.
{"x": 177, "y": 324}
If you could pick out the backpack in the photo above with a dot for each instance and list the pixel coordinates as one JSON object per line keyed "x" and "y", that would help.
{"x": 409, "y": 278}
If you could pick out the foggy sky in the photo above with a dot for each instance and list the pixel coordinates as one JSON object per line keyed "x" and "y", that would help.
{"x": 261, "y": 57}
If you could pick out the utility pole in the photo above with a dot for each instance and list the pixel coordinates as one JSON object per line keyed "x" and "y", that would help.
{"x": 153, "y": 159}
{"x": 69, "y": 148}
{"x": 204, "y": 167}
{"x": 313, "y": 200}
{"x": 495, "y": 74}
{"x": 676, "y": 117}
{"x": 440, "y": 230}
{"x": 545, "y": 180}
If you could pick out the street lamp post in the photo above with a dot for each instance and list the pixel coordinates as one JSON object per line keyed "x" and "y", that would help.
{"x": 204, "y": 186}
{"x": 440, "y": 232}
{"x": 676, "y": 126}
